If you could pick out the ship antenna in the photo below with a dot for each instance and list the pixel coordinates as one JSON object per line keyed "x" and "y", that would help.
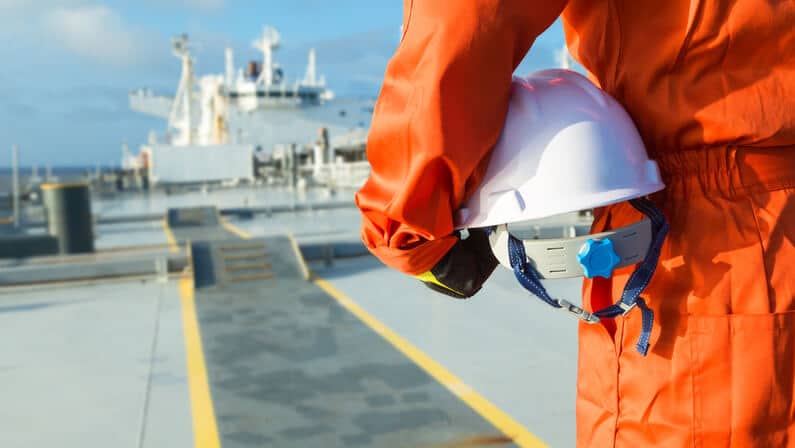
{"x": 563, "y": 58}
{"x": 269, "y": 41}
{"x": 229, "y": 62}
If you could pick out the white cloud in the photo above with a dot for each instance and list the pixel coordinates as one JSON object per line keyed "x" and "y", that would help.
{"x": 197, "y": 5}
{"x": 28, "y": 6}
{"x": 96, "y": 32}
{"x": 9, "y": 5}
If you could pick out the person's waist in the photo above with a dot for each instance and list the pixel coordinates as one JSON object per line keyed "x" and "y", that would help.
{"x": 730, "y": 169}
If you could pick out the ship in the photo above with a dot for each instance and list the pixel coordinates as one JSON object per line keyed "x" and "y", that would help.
{"x": 225, "y": 127}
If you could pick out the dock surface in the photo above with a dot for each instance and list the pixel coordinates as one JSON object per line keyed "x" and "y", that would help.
{"x": 358, "y": 355}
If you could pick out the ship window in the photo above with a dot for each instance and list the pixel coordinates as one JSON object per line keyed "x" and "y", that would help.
{"x": 308, "y": 95}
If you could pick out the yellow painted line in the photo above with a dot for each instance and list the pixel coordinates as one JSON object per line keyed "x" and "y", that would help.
{"x": 63, "y": 185}
{"x": 237, "y": 257}
{"x": 230, "y": 227}
{"x": 172, "y": 242}
{"x": 205, "y": 428}
{"x": 494, "y": 415}
{"x": 239, "y": 247}
{"x": 502, "y": 421}
{"x": 298, "y": 255}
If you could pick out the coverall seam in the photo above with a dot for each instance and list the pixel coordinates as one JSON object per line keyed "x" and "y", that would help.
{"x": 694, "y": 388}
{"x": 762, "y": 248}
{"x": 407, "y": 21}
{"x": 731, "y": 343}
{"x": 619, "y": 352}
{"x": 765, "y": 186}
{"x": 688, "y": 37}
{"x": 614, "y": 80}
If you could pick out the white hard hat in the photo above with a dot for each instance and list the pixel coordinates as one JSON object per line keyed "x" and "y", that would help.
{"x": 566, "y": 146}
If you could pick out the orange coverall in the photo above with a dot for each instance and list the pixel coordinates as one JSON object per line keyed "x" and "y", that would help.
{"x": 711, "y": 87}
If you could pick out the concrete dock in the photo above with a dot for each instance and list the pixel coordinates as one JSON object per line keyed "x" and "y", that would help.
{"x": 240, "y": 349}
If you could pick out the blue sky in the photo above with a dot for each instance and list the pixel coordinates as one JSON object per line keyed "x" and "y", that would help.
{"x": 68, "y": 64}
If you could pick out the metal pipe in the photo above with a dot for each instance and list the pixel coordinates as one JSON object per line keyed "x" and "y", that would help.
{"x": 293, "y": 166}
{"x": 328, "y": 154}
{"x": 234, "y": 211}
{"x": 15, "y": 184}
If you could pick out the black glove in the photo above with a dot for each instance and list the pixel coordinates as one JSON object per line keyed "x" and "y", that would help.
{"x": 463, "y": 270}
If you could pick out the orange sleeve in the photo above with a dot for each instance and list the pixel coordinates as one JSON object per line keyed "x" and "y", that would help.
{"x": 440, "y": 111}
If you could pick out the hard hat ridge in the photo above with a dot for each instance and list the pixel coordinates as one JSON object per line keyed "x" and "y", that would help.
{"x": 566, "y": 146}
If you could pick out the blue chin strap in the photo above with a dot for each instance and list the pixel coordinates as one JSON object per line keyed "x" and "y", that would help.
{"x": 528, "y": 277}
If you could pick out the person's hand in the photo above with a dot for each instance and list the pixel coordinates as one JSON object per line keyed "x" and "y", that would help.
{"x": 463, "y": 270}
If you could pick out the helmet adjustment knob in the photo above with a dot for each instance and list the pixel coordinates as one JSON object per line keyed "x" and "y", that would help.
{"x": 598, "y": 258}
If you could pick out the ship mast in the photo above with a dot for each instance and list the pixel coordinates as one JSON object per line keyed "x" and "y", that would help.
{"x": 563, "y": 58}
{"x": 269, "y": 41}
{"x": 229, "y": 65}
{"x": 182, "y": 101}
{"x": 310, "y": 78}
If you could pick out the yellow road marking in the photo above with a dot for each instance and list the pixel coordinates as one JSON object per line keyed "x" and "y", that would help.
{"x": 205, "y": 427}
{"x": 494, "y": 415}
{"x": 299, "y": 256}
{"x": 172, "y": 242}
{"x": 238, "y": 257}
{"x": 239, "y": 247}
{"x": 232, "y": 228}
{"x": 56, "y": 186}
{"x": 502, "y": 421}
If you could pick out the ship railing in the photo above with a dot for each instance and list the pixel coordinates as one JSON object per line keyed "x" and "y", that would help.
{"x": 346, "y": 174}
{"x": 357, "y": 137}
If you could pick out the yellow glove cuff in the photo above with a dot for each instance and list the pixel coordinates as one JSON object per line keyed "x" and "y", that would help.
{"x": 428, "y": 277}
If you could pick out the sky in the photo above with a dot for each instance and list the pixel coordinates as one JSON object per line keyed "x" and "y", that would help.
{"x": 67, "y": 65}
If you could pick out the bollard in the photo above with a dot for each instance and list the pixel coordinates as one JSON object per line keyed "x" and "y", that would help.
{"x": 68, "y": 211}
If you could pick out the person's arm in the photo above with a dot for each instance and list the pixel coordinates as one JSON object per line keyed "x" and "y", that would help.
{"x": 439, "y": 113}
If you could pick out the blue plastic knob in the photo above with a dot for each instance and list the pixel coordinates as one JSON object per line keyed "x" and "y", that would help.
{"x": 597, "y": 257}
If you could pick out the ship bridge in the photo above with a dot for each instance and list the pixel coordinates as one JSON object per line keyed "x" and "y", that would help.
{"x": 281, "y": 94}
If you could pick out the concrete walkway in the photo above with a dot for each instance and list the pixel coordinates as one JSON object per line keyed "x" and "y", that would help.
{"x": 93, "y": 366}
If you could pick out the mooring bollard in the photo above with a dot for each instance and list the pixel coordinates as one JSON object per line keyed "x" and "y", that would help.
{"x": 68, "y": 212}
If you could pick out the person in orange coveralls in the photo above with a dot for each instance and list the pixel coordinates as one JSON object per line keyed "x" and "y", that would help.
{"x": 711, "y": 87}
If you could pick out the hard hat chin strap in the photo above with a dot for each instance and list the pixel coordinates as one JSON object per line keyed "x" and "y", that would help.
{"x": 528, "y": 277}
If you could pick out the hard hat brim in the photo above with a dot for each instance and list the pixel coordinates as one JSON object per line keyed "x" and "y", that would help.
{"x": 512, "y": 206}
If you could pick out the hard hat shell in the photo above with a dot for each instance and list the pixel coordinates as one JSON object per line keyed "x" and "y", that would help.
{"x": 566, "y": 146}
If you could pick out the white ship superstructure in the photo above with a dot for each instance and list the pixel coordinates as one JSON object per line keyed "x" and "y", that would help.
{"x": 231, "y": 116}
